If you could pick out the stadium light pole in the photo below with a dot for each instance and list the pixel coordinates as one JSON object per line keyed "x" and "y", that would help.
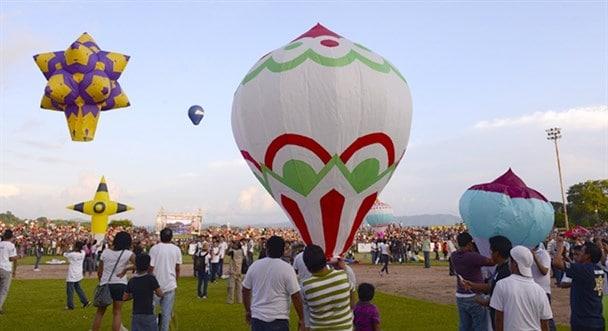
{"x": 555, "y": 134}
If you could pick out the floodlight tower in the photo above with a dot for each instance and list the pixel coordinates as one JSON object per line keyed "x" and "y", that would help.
{"x": 555, "y": 134}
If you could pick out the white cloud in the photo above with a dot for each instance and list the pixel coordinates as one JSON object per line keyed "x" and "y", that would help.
{"x": 7, "y": 191}
{"x": 255, "y": 199}
{"x": 433, "y": 176}
{"x": 86, "y": 187}
{"x": 584, "y": 118}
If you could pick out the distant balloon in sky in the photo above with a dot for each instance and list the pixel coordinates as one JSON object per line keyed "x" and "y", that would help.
{"x": 509, "y": 208}
{"x": 196, "y": 114}
{"x": 381, "y": 214}
{"x": 82, "y": 82}
{"x": 100, "y": 208}
{"x": 323, "y": 123}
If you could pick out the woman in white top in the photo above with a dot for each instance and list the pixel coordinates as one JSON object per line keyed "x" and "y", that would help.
{"x": 124, "y": 260}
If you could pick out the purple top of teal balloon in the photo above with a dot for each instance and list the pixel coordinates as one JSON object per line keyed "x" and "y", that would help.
{"x": 510, "y": 184}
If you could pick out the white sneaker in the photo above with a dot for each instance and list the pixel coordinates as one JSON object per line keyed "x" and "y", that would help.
{"x": 36, "y": 269}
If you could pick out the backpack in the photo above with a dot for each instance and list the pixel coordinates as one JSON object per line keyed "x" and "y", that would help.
{"x": 199, "y": 261}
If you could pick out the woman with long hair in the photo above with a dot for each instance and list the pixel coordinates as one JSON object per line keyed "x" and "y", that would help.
{"x": 113, "y": 266}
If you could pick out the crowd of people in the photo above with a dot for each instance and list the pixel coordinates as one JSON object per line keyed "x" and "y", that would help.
{"x": 46, "y": 238}
{"x": 268, "y": 270}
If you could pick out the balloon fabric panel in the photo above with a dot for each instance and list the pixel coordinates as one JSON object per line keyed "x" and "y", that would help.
{"x": 81, "y": 83}
{"x": 100, "y": 208}
{"x": 509, "y": 208}
{"x": 323, "y": 123}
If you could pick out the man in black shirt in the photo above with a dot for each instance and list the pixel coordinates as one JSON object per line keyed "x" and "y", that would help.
{"x": 141, "y": 288}
{"x": 501, "y": 251}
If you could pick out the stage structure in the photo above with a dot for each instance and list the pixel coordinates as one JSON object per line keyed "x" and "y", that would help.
{"x": 182, "y": 223}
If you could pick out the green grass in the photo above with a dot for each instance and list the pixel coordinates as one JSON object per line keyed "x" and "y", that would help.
{"x": 31, "y": 260}
{"x": 39, "y": 305}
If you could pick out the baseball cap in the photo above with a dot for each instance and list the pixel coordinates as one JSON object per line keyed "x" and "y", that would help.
{"x": 523, "y": 258}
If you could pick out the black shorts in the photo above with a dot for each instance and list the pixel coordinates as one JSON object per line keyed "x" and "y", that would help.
{"x": 117, "y": 291}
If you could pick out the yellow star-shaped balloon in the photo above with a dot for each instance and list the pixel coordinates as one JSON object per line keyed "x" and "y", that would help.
{"x": 100, "y": 208}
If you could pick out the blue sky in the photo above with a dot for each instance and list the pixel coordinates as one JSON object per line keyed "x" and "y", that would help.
{"x": 486, "y": 80}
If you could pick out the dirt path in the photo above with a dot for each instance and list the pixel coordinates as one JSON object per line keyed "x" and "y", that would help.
{"x": 434, "y": 284}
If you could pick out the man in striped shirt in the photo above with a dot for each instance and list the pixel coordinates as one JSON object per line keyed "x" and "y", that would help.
{"x": 328, "y": 293}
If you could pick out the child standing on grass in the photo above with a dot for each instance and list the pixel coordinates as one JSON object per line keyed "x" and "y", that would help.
{"x": 141, "y": 288}
{"x": 76, "y": 261}
{"x": 367, "y": 317}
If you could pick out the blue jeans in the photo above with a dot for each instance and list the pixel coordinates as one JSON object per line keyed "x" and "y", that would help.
{"x": 276, "y": 325}
{"x": 220, "y": 269}
{"x": 70, "y": 287}
{"x": 142, "y": 322}
{"x": 166, "y": 308}
{"x": 473, "y": 316}
{"x": 427, "y": 259}
{"x": 214, "y": 267}
{"x": 203, "y": 279}
{"x": 557, "y": 274}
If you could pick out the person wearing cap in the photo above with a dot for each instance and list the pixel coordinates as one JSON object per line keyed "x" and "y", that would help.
{"x": 8, "y": 265}
{"x": 235, "y": 275}
{"x": 586, "y": 290}
{"x": 467, "y": 265}
{"x": 520, "y": 303}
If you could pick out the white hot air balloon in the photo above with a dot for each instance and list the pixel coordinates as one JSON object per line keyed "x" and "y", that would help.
{"x": 323, "y": 123}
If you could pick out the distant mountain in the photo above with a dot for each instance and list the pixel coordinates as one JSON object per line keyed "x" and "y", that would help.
{"x": 428, "y": 220}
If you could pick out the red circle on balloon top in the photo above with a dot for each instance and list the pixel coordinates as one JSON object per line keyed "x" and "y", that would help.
{"x": 329, "y": 43}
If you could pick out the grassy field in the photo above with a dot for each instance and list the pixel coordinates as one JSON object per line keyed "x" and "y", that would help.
{"x": 39, "y": 305}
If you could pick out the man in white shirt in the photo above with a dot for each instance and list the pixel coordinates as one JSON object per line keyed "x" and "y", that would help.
{"x": 165, "y": 260}
{"x": 541, "y": 272}
{"x": 269, "y": 285}
{"x": 223, "y": 247}
{"x": 215, "y": 260}
{"x": 520, "y": 303}
{"x": 76, "y": 260}
{"x": 379, "y": 246}
{"x": 8, "y": 265}
{"x": 374, "y": 250}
